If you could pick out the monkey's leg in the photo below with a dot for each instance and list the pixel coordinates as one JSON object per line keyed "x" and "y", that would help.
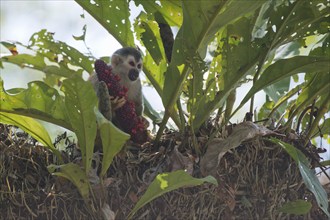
{"x": 104, "y": 101}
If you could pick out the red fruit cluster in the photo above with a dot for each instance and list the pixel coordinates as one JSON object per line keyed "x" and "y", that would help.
{"x": 125, "y": 116}
{"x": 104, "y": 74}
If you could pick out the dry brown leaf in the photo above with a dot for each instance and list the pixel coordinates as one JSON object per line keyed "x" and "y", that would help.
{"x": 180, "y": 162}
{"x": 218, "y": 147}
{"x": 107, "y": 212}
{"x": 133, "y": 197}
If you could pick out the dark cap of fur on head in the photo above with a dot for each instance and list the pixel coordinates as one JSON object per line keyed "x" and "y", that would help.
{"x": 125, "y": 51}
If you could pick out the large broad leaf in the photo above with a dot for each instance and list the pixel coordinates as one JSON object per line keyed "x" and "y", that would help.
{"x": 285, "y": 97}
{"x": 170, "y": 10}
{"x": 58, "y": 51}
{"x": 236, "y": 58}
{"x": 32, "y": 127}
{"x": 113, "y": 140}
{"x": 38, "y": 101}
{"x": 287, "y": 67}
{"x": 154, "y": 64}
{"x": 201, "y": 21}
{"x": 113, "y": 16}
{"x": 55, "y": 58}
{"x": 277, "y": 90}
{"x": 37, "y": 62}
{"x": 80, "y": 101}
{"x": 73, "y": 173}
{"x": 148, "y": 32}
{"x": 324, "y": 107}
{"x": 318, "y": 87}
{"x": 286, "y": 21}
{"x": 302, "y": 18}
{"x": 308, "y": 175}
{"x": 325, "y": 127}
{"x": 167, "y": 182}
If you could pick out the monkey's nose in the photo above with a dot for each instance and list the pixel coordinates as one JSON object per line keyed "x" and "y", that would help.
{"x": 133, "y": 74}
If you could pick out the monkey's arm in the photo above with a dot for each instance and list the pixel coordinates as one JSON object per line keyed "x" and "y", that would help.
{"x": 103, "y": 96}
{"x": 107, "y": 104}
{"x": 139, "y": 108}
{"x": 104, "y": 101}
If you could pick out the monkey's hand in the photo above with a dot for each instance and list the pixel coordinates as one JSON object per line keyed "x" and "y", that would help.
{"x": 117, "y": 102}
{"x": 104, "y": 100}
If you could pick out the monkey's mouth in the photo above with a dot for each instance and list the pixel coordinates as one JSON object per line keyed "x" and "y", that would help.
{"x": 133, "y": 74}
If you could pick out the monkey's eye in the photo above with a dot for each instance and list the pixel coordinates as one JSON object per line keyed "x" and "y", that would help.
{"x": 139, "y": 66}
{"x": 131, "y": 63}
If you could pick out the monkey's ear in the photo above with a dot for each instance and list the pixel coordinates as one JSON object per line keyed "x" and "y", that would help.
{"x": 116, "y": 59}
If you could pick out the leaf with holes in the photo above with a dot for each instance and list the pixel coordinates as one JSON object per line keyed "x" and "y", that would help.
{"x": 60, "y": 52}
{"x": 201, "y": 21}
{"x": 148, "y": 33}
{"x": 170, "y": 10}
{"x": 80, "y": 101}
{"x": 38, "y": 101}
{"x": 37, "y": 62}
{"x": 238, "y": 57}
{"x": 113, "y": 16}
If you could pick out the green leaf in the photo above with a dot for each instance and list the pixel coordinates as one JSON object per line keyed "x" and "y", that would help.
{"x": 73, "y": 173}
{"x": 285, "y": 97}
{"x": 148, "y": 31}
{"x": 167, "y": 182}
{"x": 37, "y": 62}
{"x": 154, "y": 62}
{"x": 51, "y": 57}
{"x": 154, "y": 72}
{"x": 317, "y": 89}
{"x": 287, "y": 67}
{"x": 298, "y": 207}
{"x": 319, "y": 85}
{"x": 277, "y": 90}
{"x": 236, "y": 57}
{"x": 308, "y": 175}
{"x": 325, "y": 163}
{"x": 296, "y": 20}
{"x": 32, "y": 127}
{"x": 81, "y": 37}
{"x": 38, "y": 101}
{"x": 113, "y": 140}
{"x": 325, "y": 127}
{"x": 170, "y": 9}
{"x": 63, "y": 54}
{"x": 80, "y": 101}
{"x": 113, "y": 16}
{"x": 150, "y": 111}
{"x": 171, "y": 85}
{"x": 201, "y": 21}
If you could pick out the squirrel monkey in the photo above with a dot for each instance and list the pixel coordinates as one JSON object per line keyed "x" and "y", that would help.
{"x": 127, "y": 63}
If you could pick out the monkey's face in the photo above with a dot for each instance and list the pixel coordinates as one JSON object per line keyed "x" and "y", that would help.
{"x": 127, "y": 67}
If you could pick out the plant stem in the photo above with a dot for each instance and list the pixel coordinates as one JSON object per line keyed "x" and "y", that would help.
{"x": 181, "y": 115}
{"x": 170, "y": 105}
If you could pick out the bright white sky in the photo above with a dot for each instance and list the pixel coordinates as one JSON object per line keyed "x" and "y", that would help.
{"x": 20, "y": 19}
